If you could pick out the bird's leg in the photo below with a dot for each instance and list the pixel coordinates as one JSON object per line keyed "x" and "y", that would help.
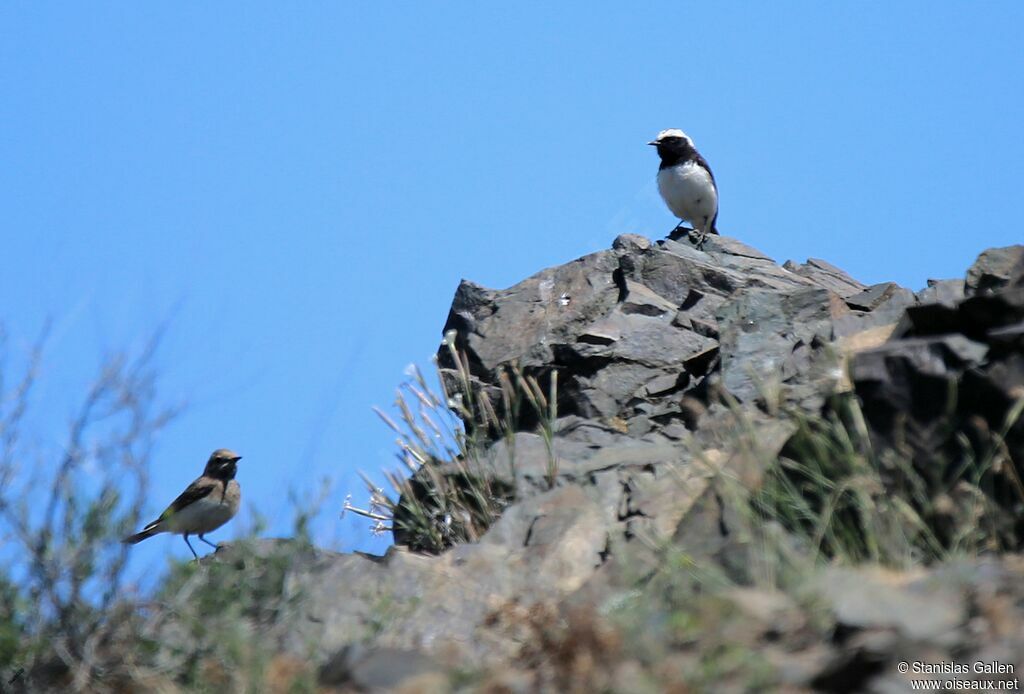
{"x": 208, "y": 542}
{"x": 191, "y": 548}
{"x": 702, "y": 234}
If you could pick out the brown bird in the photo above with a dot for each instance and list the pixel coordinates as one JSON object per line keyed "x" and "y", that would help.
{"x": 205, "y": 505}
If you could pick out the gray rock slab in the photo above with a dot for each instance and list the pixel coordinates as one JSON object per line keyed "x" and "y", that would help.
{"x": 931, "y": 356}
{"x": 994, "y": 269}
{"x": 945, "y": 292}
{"x": 520, "y": 323}
{"x": 919, "y": 609}
{"x": 826, "y": 275}
{"x": 762, "y": 334}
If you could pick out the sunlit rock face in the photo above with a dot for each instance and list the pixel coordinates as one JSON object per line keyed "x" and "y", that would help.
{"x": 671, "y": 362}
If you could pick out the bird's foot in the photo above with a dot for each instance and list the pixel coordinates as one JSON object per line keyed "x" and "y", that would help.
{"x": 203, "y": 539}
{"x": 701, "y": 238}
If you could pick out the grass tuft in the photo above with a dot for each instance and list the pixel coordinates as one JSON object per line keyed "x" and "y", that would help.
{"x": 446, "y": 491}
{"x": 851, "y": 501}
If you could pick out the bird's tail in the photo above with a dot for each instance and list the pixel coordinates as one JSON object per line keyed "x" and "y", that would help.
{"x": 149, "y": 531}
{"x": 714, "y": 225}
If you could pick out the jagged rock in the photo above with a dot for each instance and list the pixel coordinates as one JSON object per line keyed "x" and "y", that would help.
{"x": 880, "y": 305}
{"x": 634, "y": 329}
{"x": 941, "y": 357}
{"x": 1017, "y": 274}
{"x": 994, "y": 269}
{"x": 672, "y": 365}
{"x": 826, "y": 275}
{"x": 875, "y": 599}
{"x": 946, "y": 292}
{"x": 876, "y": 295}
{"x": 951, "y": 365}
{"x": 524, "y": 323}
{"x": 885, "y": 302}
{"x": 946, "y": 389}
{"x": 642, "y": 333}
{"x": 631, "y": 242}
{"x": 908, "y": 386}
{"x": 544, "y": 547}
{"x": 528, "y": 463}
{"x": 561, "y": 535}
{"x": 770, "y": 337}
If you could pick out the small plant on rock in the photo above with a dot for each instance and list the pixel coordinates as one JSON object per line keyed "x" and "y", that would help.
{"x": 454, "y": 490}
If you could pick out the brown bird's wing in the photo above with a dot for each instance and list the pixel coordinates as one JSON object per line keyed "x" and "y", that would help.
{"x": 200, "y": 489}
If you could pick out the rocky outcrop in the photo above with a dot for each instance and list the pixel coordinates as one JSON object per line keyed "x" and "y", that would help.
{"x": 633, "y": 329}
{"x": 672, "y": 365}
{"x": 951, "y": 376}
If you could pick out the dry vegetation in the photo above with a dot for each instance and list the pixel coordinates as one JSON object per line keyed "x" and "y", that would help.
{"x": 832, "y": 496}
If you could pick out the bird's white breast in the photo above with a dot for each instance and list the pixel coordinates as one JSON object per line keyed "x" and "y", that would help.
{"x": 689, "y": 192}
{"x": 206, "y": 514}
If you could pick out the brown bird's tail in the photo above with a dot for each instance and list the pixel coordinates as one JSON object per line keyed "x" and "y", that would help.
{"x": 149, "y": 531}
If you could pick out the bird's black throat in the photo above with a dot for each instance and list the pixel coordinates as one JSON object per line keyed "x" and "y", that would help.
{"x": 678, "y": 150}
{"x": 224, "y": 472}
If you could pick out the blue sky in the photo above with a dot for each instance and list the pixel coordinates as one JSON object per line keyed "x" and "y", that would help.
{"x": 298, "y": 188}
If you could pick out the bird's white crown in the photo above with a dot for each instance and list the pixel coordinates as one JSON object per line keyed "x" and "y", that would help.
{"x": 673, "y": 132}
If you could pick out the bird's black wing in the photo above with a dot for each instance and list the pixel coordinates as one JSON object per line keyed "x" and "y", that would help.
{"x": 704, "y": 162}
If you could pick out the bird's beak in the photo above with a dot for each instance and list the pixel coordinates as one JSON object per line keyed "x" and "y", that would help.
{"x": 653, "y": 142}
{"x": 236, "y": 459}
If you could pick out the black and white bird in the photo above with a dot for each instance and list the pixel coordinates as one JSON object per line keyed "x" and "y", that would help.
{"x": 686, "y": 183}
